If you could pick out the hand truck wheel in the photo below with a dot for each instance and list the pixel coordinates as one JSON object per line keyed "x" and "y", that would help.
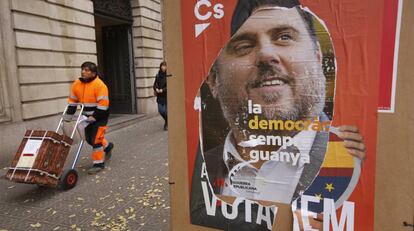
{"x": 69, "y": 179}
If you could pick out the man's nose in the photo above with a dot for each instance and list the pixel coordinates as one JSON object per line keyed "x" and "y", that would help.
{"x": 268, "y": 54}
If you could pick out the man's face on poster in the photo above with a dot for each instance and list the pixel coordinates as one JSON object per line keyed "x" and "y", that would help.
{"x": 273, "y": 61}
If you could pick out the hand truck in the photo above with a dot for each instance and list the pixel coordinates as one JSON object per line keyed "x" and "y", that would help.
{"x": 41, "y": 156}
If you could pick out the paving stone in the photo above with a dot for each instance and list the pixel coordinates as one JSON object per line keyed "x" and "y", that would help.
{"x": 138, "y": 164}
{"x": 29, "y": 225}
{"x": 17, "y": 210}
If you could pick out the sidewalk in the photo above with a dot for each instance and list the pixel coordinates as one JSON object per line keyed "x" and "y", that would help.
{"x": 131, "y": 194}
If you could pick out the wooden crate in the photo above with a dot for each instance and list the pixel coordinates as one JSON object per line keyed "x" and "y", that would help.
{"x": 40, "y": 158}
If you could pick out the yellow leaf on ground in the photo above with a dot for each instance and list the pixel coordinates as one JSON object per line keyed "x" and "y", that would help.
{"x": 103, "y": 198}
{"x": 37, "y": 225}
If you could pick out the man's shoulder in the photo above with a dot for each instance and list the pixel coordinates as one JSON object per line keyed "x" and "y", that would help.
{"x": 216, "y": 168}
{"x": 214, "y": 154}
{"x": 76, "y": 81}
{"x": 76, "y": 84}
{"x": 100, "y": 82}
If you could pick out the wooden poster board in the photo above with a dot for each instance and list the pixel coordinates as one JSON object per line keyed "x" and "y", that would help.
{"x": 394, "y": 189}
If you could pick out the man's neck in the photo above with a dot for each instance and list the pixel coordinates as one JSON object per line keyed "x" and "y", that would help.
{"x": 88, "y": 80}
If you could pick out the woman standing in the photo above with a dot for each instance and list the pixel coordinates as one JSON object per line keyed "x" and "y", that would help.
{"x": 160, "y": 90}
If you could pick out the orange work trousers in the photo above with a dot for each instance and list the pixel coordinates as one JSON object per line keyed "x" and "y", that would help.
{"x": 95, "y": 136}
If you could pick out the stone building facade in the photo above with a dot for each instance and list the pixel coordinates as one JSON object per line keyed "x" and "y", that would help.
{"x": 44, "y": 42}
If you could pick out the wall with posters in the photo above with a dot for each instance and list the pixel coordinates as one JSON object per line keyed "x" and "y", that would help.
{"x": 394, "y": 197}
{"x": 183, "y": 152}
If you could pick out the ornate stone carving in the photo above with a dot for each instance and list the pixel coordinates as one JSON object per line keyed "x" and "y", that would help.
{"x": 114, "y": 8}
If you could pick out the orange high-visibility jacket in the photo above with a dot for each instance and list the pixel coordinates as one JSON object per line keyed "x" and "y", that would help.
{"x": 92, "y": 93}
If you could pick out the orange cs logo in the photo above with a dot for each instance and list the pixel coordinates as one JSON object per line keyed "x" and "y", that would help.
{"x": 203, "y": 11}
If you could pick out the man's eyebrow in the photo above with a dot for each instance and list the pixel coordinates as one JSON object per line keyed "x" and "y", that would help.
{"x": 241, "y": 37}
{"x": 282, "y": 28}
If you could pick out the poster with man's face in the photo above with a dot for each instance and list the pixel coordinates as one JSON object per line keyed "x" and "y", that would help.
{"x": 274, "y": 114}
{"x": 270, "y": 86}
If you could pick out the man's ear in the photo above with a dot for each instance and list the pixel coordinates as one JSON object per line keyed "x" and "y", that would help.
{"x": 212, "y": 83}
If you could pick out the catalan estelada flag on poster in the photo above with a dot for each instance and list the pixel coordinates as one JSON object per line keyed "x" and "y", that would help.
{"x": 281, "y": 108}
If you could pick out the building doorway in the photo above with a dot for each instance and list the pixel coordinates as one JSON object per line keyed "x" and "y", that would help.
{"x": 113, "y": 27}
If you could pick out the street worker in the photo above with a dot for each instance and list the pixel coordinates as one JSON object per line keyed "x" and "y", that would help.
{"x": 92, "y": 92}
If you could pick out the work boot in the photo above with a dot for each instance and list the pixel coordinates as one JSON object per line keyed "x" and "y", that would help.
{"x": 96, "y": 168}
{"x": 108, "y": 151}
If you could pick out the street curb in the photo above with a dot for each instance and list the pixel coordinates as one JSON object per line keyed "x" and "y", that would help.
{"x": 122, "y": 121}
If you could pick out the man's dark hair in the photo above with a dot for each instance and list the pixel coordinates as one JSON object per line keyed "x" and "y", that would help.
{"x": 245, "y": 8}
{"x": 91, "y": 66}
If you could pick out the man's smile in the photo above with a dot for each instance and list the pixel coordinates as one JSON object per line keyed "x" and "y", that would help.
{"x": 271, "y": 84}
{"x": 274, "y": 82}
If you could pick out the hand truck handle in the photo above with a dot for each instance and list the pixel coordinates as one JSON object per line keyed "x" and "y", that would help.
{"x": 77, "y": 120}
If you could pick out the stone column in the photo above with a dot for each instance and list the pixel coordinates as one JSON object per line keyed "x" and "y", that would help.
{"x": 10, "y": 106}
{"x": 148, "y": 50}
